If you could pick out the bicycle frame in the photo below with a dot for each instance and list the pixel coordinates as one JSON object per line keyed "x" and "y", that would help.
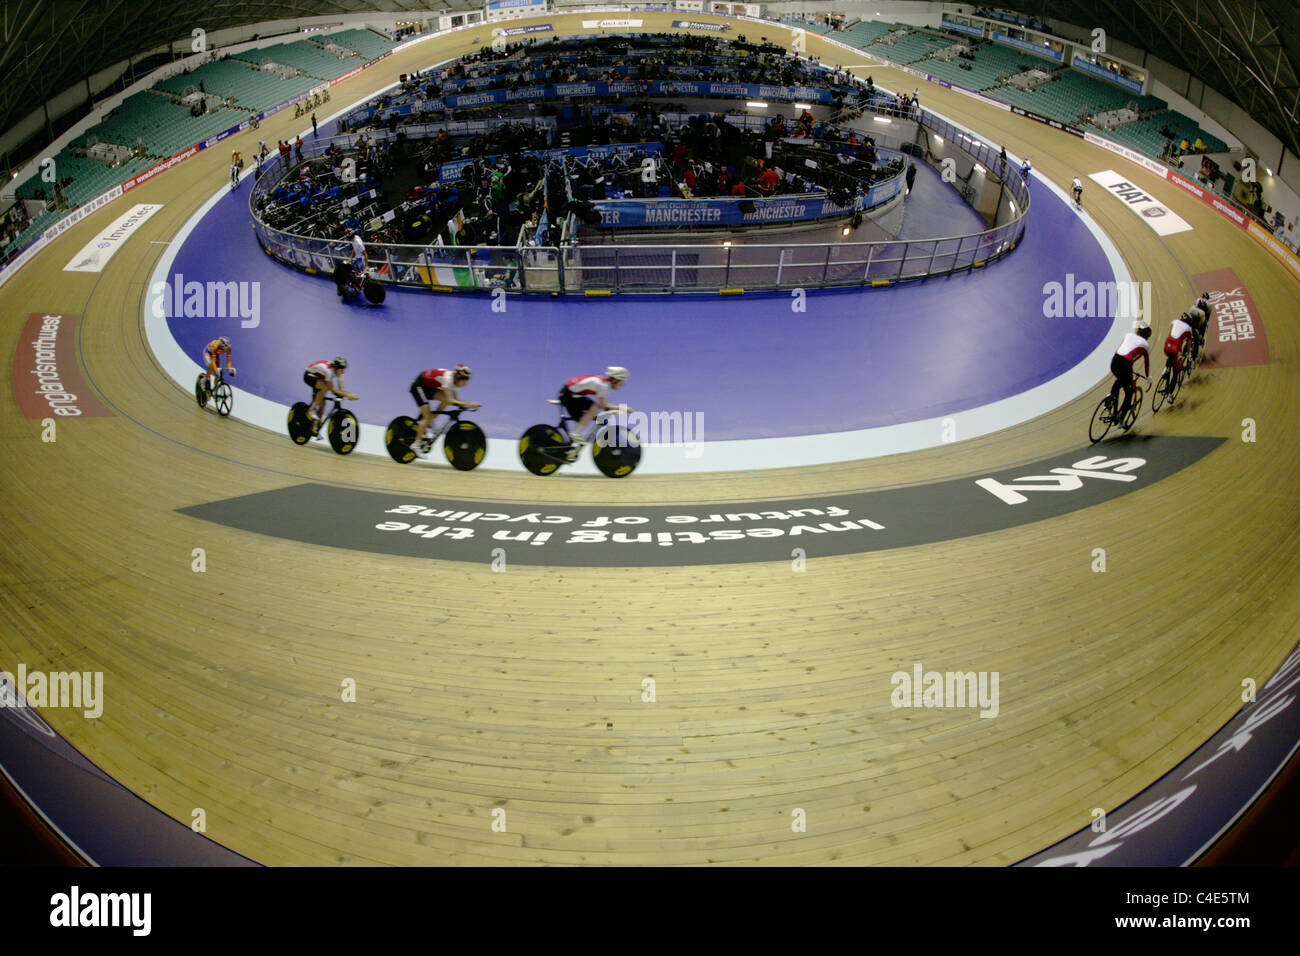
{"x": 435, "y": 431}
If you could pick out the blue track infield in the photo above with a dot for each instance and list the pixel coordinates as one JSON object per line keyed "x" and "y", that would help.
{"x": 855, "y": 359}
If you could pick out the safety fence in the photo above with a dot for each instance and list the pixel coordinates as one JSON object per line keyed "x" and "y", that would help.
{"x": 677, "y": 267}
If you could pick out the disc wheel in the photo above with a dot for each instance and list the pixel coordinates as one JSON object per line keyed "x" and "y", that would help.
{"x": 343, "y": 431}
{"x": 541, "y": 448}
{"x": 398, "y": 438}
{"x": 464, "y": 444}
{"x": 616, "y": 451}
{"x": 299, "y": 423}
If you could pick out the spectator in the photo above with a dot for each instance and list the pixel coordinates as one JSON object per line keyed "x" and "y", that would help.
{"x": 769, "y": 180}
{"x": 911, "y": 177}
{"x": 313, "y": 125}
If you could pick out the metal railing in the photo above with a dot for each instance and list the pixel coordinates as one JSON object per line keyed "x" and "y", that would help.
{"x": 682, "y": 267}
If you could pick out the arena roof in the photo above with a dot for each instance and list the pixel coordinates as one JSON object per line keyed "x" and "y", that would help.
{"x": 1245, "y": 49}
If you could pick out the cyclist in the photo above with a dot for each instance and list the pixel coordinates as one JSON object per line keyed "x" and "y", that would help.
{"x": 440, "y": 385}
{"x": 212, "y": 353}
{"x": 360, "y": 259}
{"x": 1198, "y": 316}
{"x": 1181, "y": 336}
{"x": 583, "y": 397}
{"x": 1076, "y": 188}
{"x": 318, "y": 376}
{"x": 234, "y": 175}
{"x": 1122, "y": 362}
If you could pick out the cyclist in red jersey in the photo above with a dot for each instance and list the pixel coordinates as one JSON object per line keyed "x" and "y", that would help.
{"x": 1181, "y": 335}
{"x": 583, "y": 397}
{"x": 212, "y": 353}
{"x": 318, "y": 376}
{"x": 1122, "y": 362}
{"x": 440, "y": 385}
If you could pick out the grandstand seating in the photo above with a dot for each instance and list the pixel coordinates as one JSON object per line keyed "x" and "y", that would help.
{"x": 302, "y": 55}
{"x": 251, "y": 88}
{"x": 367, "y": 43}
{"x": 866, "y": 32}
{"x": 1071, "y": 95}
{"x": 165, "y": 127}
{"x": 89, "y": 177}
{"x": 909, "y": 49}
{"x": 991, "y": 65}
{"x": 1144, "y": 134}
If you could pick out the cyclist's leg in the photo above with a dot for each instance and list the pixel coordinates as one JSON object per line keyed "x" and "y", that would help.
{"x": 422, "y": 399}
{"x": 1119, "y": 368}
{"x": 319, "y": 388}
{"x": 583, "y": 421}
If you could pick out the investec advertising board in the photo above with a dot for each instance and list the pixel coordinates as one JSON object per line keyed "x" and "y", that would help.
{"x": 94, "y": 255}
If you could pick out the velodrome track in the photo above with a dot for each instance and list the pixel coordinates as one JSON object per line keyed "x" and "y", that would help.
{"x": 522, "y": 690}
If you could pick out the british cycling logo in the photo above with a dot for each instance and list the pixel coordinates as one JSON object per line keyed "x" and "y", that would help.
{"x": 207, "y": 300}
{"x": 72, "y": 689}
{"x": 76, "y": 909}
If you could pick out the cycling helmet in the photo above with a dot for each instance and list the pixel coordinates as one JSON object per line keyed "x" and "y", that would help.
{"x": 223, "y": 342}
{"x": 1144, "y": 330}
{"x": 616, "y": 373}
{"x": 339, "y": 363}
{"x": 462, "y": 371}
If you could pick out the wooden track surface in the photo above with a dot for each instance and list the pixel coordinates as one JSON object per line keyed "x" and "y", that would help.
{"x": 522, "y": 690}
